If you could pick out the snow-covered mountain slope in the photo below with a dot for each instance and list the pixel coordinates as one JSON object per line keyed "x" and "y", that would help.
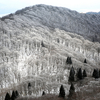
{"x": 57, "y": 17}
{"x": 34, "y": 46}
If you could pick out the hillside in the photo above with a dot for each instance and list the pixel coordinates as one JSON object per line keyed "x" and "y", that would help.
{"x": 35, "y": 43}
{"x": 86, "y": 25}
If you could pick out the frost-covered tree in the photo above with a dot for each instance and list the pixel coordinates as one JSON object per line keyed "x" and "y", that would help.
{"x": 84, "y": 73}
{"x": 71, "y": 75}
{"x": 79, "y": 75}
{"x": 62, "y": 92}
{"x": 7, "y": 97}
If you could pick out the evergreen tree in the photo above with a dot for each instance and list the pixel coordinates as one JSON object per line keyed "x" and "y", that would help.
{"x": 17, "y": 94}
{"x": 99, "y": 72}
{"x": 29, "y": 85}
{"x": 84, "y": 73}
{"x": 13, "y": 96}
{"x": 69, "y": 61}
{"x": 71, "y": 91}
{"x": 62, "y": 92}
{"x": 95, "y": 73}
{"x": 72, "y": 73}
{"x": 7, "y": 97}
{"x": 29, "y": 89}
{"x": 72, "y": 87}
{"x": 43, "y": 93}
{"x": 42, "y": 44}
{"x": 85, "y": 61}
{"x": 80, "y": 76}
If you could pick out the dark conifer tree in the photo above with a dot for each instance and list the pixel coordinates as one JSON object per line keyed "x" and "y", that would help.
{"x": 71, "y": 75}
{"x": 72, "y": 90}
{"x": 7, "y": 97}
{"x": 80, "y": 76}
{"x": 97, "y": 73}
{"x": 29, "y": 85}
{"x": 13, "y": 96}
{"x": 62, "y": 92}
{"x": 17, "y": 94}
{"x": 94, "y": 73}
{"x": 72, "y": 87}
{"x": 84, "y": 73}
{"x": 43, "y": 93}
{"x": 69, "y": 61}
{"x": 42, "y": 44}
{"x": 85, "y": 61}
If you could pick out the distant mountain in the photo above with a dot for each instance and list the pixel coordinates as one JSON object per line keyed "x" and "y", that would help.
{"x": 93, "y": 13}
{"x": 86, "y": 25}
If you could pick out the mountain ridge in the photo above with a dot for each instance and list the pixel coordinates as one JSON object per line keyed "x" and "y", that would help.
{"x": 59, "y": 17}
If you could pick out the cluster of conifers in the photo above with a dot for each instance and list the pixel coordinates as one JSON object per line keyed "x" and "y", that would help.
{"x": 80, "y": 75}
{"x": 14, "y": 95}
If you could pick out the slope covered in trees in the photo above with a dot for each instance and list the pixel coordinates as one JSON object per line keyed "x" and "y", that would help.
{"x": 35, "y": 44}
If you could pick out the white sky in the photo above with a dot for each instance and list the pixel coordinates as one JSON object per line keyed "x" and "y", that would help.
{"x": 10, "y": 6}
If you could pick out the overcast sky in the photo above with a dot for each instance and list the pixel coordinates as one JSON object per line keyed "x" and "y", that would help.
{"x": 10, "y": 6}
